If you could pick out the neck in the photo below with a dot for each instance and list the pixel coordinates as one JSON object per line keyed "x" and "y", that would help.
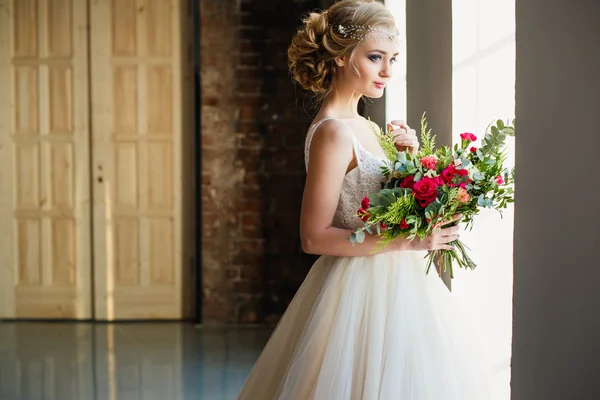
{"x": 341, "y": 103}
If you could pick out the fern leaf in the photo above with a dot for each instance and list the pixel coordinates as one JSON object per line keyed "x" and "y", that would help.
{"x": 427, "y": 140}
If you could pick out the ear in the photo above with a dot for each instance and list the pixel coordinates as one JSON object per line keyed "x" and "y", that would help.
{"x": 340, "y": 61}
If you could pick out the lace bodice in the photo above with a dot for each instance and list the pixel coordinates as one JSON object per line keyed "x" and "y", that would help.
{"x": 363, "y": 180}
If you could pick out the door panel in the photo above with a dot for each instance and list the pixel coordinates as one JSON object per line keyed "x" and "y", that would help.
{"x": 136, "y": 151}
{"x": 45, "y": 229}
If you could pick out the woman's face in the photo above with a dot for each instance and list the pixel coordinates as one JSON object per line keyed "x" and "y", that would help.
{"x": 374, "y": 59}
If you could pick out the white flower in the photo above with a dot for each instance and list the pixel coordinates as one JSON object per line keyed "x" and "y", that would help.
{"x": 431, "y": 173}
{"x": 472, "y": 172}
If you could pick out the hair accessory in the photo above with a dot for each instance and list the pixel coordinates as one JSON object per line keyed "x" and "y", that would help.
{"x": 359, "y": 32}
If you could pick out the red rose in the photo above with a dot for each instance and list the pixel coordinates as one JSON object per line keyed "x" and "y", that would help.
{"x": 469, "y": 137}
{"x": 365, "y": 203}
{"x": 403, "y": 224}
{"x": 426, "y": 191}
{"x": 383, "y": 226}
{"x": 499, "y": 180}
{"x": 450, "y": 172}
{"x": 363, "y": 215}
{"x": 408, "y": 182}
{"x": 473, "y": 149}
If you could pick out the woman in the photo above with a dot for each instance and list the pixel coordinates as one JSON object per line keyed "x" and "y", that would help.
{"x": 362, "y": 326}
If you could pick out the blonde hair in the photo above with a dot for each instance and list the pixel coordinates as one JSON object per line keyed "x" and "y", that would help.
{"x": 314, "y": 48}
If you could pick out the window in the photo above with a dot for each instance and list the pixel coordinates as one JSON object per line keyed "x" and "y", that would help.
{"x": 483, "y": 90}
{"x": 395, "y": 95}
{"x": 483, "y": 85}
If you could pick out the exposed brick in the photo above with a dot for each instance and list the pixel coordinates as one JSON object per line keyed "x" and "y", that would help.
{"x": 250, "y": 140}
{"x": 246, "y": 286}
{"x": 250, "y": 271}
{"x": 248, "y": 86}
{"x": 251, "y": 220}
{"x": 253, "y": 127}
{"x": 249, "y": 113}
{"x": 233, "y": 273}
{"x": 250, "y": 46}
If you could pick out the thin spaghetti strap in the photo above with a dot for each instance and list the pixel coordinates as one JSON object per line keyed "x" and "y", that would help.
{"x": 309, "y": 136}
{"x": 311, "y": 133}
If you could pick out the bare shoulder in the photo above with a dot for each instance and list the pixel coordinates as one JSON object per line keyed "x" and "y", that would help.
{"x": 332, "y": 133}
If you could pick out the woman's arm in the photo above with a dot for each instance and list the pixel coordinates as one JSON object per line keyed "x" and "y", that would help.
{"x": 330, "y": 154}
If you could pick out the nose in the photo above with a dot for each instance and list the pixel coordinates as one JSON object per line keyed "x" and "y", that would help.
{"x": 386, "y": 71}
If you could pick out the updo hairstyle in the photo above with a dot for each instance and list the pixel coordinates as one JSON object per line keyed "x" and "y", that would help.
{"x": 316, "y": 45}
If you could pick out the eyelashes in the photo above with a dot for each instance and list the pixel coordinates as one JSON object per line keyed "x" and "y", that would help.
{"x": 377, "y": 58}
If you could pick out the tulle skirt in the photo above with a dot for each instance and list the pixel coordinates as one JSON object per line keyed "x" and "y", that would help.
{"x": 371, "y": 328}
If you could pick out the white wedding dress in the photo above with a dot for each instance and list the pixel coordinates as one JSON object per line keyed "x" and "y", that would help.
{"x": 369, "y": 328}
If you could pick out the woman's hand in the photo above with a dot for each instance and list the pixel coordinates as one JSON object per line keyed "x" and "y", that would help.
{"x": 440, "y": 238}
{"x": 405, "y": 137}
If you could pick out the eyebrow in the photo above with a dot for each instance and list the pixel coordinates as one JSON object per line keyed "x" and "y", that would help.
{"x": 383, "y": 52}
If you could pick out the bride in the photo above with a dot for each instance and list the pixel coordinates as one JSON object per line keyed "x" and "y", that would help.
{"x": 362, "y": 326}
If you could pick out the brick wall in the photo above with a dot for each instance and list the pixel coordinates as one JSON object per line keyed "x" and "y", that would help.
{"x": 253, "y": 125}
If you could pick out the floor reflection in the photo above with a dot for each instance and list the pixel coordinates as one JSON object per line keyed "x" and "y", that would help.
{"x": 162, "y": 361}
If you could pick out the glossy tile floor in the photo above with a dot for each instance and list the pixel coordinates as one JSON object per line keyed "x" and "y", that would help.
{"x": 141, "y": 361}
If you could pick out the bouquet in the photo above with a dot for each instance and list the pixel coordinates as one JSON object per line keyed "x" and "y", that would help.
{"x": 425, "y": 189}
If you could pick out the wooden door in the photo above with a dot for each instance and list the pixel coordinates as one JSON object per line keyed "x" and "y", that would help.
{"x": 137, "y": 158}
{"x": 45, "y": 235}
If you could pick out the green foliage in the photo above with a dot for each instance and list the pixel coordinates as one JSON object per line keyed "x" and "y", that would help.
{"x": 494, "y": 141}
{"x": 400, "y": 209}
{"x": 427, "y": 140}
{"x": 386, "y": 140}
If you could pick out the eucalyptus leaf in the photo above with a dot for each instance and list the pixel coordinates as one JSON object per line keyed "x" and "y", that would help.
{"x": 401, "y": 157}
{"x": 375, "y": 200}
{"x": 478, "y": 176}
{"x": 481, "y": 200}
{"x": 360, "y": 236}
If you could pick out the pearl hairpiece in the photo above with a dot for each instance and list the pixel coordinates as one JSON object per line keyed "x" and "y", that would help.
{"x": 359, "y": 32}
